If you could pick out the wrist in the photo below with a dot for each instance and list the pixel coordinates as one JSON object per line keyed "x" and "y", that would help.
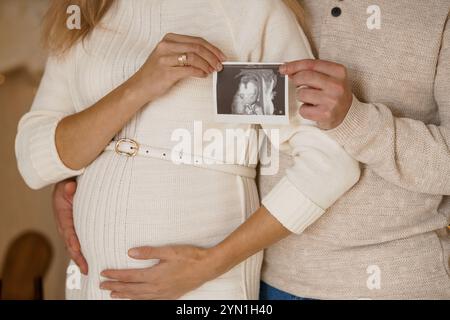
{"x": 359, "y": 120}
{"x": 218, "y": 261}
{"x": 136, "y": 90}
{"x": 344, "y": 112}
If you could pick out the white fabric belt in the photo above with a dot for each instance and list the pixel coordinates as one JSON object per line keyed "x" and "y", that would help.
{"x": 131, "y": 148}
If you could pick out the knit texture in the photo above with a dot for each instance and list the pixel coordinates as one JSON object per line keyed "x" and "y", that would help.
{"x": 123, "y": 202}
{"x": 398, "y": 127}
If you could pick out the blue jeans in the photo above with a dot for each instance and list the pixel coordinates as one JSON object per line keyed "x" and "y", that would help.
{"x": 268, "y": 292}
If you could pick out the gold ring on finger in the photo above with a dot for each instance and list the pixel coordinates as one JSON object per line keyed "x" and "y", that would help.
{"x": 182, "y": 60}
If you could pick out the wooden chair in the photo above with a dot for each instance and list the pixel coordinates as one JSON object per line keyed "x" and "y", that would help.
{"x": 26, "y": 263}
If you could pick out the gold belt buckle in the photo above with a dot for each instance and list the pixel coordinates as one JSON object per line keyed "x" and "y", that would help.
{"x": 134, "y": 149}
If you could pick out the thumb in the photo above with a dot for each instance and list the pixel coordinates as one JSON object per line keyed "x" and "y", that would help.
{"x": 146, "y": 253}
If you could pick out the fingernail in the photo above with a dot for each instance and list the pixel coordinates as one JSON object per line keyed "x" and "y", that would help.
{"x": 133, "y": 253}
{"x": 219, "y": 67}
{"x": 283, "y": 69}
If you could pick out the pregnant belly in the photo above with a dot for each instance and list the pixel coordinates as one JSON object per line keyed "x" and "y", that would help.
{"x": 124, "y": 202}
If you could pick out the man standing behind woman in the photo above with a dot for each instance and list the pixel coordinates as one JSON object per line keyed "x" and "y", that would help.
{"x": 387, "y": 237}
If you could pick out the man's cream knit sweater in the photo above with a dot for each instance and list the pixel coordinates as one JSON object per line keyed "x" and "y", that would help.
{"x": 387, "y": 237}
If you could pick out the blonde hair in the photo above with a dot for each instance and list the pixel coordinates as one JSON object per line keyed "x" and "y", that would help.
{"x": 57, "y": 38}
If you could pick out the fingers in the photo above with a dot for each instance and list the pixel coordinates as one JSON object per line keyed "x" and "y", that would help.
{"x": 203, "y": 58}
{"x": 79, "y": 260}
{"x": 129, "y": 275}
{"x": 314, "y": 113}
{"x": 65, "y": 218}
{"x": 62, "y": 207}
{"x": 135, "y": 284}
{"x": 312, "y": 79}
{"x": 70, "y": 188}
{"x": 178, "y": 48}
{"x": 57, "y": 199}
{"x": 187, "y": 72}
{"x": 149, "y": 294}
{"x": 130, "y": 296}
{"x": 312, "y": 97}
{"x": 74, "y": 248}
{"x": 326, "y": 67}
{"x": 122, "y": 287}
{"x": 196, "y": 40}
{"x": 193, "y": 60}
{"x": 68, "y": 231}
{"x": 146, "y": 253}
{"x": 71, "y": 240}
{"x": 323, "y": 88}
{"x": 145, "y": 293}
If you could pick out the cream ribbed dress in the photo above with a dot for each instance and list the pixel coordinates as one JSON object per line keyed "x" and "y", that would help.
{"x": 125, "y": 202}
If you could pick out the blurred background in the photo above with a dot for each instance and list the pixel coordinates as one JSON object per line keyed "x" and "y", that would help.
{"x": 32, "y": 257}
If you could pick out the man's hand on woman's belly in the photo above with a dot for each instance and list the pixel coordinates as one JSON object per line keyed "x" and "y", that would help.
{"x": 63, "y": 194}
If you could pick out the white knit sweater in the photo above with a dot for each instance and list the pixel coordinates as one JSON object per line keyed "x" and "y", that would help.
{"x": 123, "y": 202}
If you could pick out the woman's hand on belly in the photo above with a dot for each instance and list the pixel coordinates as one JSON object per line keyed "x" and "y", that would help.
{"x": 187, "y": 267}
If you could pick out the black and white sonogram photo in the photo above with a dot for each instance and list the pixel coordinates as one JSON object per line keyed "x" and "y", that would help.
{"x": 251, "y": 93}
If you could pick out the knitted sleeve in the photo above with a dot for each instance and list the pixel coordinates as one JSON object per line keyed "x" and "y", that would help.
{"x": 36, "y": 153}
{"x": 406, "y": 152}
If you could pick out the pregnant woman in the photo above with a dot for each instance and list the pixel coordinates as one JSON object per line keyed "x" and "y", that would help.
{"x": 111, "y": 97}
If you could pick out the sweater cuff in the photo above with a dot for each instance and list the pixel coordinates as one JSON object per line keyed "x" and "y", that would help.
{"x": 291, "y": 207}
{"x": 44, "y": 155}
{"x": 354, "y": 123}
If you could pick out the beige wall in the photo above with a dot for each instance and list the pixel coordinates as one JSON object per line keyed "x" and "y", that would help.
{"x": 20, "y": 33}
{"x": 21, "y": 208}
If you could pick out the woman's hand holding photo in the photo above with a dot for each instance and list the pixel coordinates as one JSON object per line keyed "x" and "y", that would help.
{"x": 175, "y": 58}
